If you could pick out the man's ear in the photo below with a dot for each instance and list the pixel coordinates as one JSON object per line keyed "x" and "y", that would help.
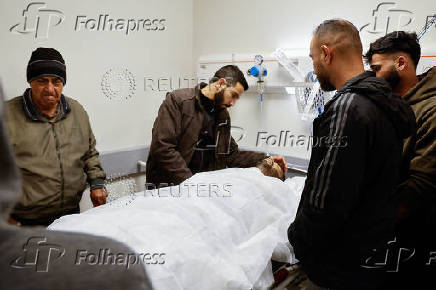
{"x": 402, "y": 63}
{"x": 326, "y": 54}
{"x": 222, "y": 81}
{"x": 217, "y": 85}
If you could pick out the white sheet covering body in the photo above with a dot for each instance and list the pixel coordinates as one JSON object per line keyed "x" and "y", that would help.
{"x": 218, "y": 230}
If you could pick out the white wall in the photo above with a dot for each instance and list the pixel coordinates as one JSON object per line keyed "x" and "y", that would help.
{"x": 193, "y": 29}
{"x": 250, "y": 26}
{"x": 117, "y": 123}
{"x": 255, "y": 26}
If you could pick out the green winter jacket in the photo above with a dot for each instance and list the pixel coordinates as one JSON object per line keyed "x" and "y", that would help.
{"x": 56, "y": 159}
{"x": 417, "y": 191}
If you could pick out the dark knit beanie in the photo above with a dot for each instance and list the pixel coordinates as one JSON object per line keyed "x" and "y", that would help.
{"x": 46, "y": 62}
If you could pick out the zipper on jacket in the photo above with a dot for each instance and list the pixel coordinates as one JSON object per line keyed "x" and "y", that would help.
{"x": 58, "y": 152}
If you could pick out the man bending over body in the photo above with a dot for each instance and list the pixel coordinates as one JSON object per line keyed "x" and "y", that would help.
{"x": 191, "y": 133}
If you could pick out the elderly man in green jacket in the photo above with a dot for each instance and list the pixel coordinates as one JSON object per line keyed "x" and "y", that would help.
{"x": 54, "y": 145}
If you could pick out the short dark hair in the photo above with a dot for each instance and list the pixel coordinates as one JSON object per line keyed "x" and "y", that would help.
{"x": 232, "y": 74}
{"x": 266, "y": 167}
{"x": 339, "y": 30}
{"x": 397, "y": 41}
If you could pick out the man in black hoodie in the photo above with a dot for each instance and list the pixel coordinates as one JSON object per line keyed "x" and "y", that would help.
{"x": 346, "y": 210}
{"x": 35, "y": 258}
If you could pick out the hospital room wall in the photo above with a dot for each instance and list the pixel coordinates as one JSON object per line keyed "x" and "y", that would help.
{"x": 256, "y": 26}
{"x": 113, "y": 72}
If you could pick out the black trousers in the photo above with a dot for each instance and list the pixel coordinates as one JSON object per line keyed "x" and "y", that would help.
{"x": 46, "y": 221}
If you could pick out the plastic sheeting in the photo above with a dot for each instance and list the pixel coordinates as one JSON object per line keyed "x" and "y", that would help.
{"x": 218, "y": 230}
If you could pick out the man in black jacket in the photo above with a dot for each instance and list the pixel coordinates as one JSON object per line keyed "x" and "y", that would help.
{"x": 346, "y": 210}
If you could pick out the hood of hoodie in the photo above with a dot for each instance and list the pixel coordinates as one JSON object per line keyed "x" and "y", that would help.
{"x": 380, "y": 93}
{"x": 10, "y": 183}
{"x": 424, "y": 89}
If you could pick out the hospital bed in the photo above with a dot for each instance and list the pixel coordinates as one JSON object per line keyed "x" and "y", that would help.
{"x": 210, "y": 241}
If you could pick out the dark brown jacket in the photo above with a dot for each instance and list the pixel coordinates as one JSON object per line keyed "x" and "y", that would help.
{"x": 175, "y": 134}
